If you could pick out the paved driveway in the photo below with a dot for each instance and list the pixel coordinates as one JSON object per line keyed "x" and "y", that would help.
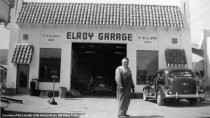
{"x": 103, "y": 107}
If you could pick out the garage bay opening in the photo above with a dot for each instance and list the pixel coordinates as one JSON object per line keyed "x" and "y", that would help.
{"x": 93, "y": 67}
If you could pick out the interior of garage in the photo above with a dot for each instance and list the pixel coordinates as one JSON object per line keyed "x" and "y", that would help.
{"x": 93, "y": 67}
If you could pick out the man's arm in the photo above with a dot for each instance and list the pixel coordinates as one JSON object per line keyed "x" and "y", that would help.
{"x": 132, "y": 84}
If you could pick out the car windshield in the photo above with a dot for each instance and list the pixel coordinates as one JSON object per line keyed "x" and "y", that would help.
{"x": 181, "y": 73}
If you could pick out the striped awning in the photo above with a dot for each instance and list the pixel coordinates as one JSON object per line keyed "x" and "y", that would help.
{"x": 22, "y": 53}
{"x": 175, "y": 58}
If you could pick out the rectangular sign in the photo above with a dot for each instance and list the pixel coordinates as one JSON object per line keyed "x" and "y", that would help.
{"x": 51, "y": 37}
{"x": 76, "y": 36}
{"x": 148, "y": 40}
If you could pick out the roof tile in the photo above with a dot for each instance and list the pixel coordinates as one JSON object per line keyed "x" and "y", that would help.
{"x": 100, "y": 14}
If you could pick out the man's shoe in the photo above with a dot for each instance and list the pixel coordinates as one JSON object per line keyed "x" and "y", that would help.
{"x": 127, "y": 115}
{"x": 122, "y": 116}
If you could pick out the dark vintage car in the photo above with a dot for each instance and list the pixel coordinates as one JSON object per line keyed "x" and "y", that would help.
{"x": 100, "y": 84}
{"x": 172, "y": 84}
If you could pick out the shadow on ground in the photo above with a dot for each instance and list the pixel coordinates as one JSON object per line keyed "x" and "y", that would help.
{"x": 151, "y": 116}
{"x": 183, "y": 103}
{"x": 187, "y": 104}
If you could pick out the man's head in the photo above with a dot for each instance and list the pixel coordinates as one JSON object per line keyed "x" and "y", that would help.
{"x": 125, "y": 62}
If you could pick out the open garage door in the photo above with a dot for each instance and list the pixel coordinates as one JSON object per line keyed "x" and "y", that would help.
{"x": 93, "y": 67}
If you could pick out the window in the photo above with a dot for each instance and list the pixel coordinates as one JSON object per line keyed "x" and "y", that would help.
{"x": 50, "y": 60}
{"x": 147, "y": 64}
{"x": 181, "y": 73}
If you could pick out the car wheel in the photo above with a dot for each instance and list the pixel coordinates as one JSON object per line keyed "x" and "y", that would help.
{"x": 145, "y": 95}
{"x": 193, "y": 101}
{"x": 160, "y": 100}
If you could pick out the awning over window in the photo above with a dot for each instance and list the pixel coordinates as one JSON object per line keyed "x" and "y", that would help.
{"x": 175, "y": 58}
{"x": 22, "y": 53}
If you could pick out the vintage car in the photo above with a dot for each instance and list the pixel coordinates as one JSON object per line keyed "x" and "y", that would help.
{"x": 100, "y": 84}
{"x": 173, "y": 84}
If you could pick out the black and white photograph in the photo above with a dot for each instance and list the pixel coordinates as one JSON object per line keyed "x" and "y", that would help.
{"x": 105, "y": 59}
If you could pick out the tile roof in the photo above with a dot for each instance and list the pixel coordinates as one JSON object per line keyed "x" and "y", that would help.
{"x": 22, "y": 53}
{"x": 100, "y": 14}
{"x": 175, "y": 58}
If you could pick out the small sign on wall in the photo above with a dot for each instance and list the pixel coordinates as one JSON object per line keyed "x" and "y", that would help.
{"x": 51, "y": 37}
{"x": 25, "y": 36}
{"x": 174, "y": 40}
{"x": 148, "y": 41}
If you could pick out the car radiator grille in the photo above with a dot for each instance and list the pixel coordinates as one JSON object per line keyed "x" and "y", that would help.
{"x": 184, "y": 86}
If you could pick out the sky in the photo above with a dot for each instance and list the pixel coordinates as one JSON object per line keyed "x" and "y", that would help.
{"x": 199, "y": 19}
{"x": 4, "y": 37}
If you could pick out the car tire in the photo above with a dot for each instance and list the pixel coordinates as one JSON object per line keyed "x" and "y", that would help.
{"x": 193, "y": 101}
{"x": 145, "y": 98}
{"x": 160, "y": 100}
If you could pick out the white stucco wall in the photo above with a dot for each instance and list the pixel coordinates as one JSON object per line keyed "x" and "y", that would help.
{"x": 205, "y": 46}
{"x": 35, "y": 33}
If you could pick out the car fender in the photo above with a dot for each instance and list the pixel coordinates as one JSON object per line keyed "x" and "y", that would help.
{"x": 161, "y": 89}
{"x": 146, "y": 87}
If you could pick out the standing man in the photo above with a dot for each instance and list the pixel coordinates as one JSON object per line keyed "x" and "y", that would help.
{"x": 123, "y": 78}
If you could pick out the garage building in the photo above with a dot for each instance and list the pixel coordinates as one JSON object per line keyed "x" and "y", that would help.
{"x": 83, "y": 43}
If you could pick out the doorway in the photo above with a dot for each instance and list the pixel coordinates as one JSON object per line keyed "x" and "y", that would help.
{"x": 22, "y": 78}
{"x": 93, "y": 66}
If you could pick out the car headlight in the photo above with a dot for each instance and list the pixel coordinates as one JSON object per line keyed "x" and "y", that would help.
{"x": 200, "y": 90}
{"x": 3, "y": 88}
{"x": 169, "y": 91}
